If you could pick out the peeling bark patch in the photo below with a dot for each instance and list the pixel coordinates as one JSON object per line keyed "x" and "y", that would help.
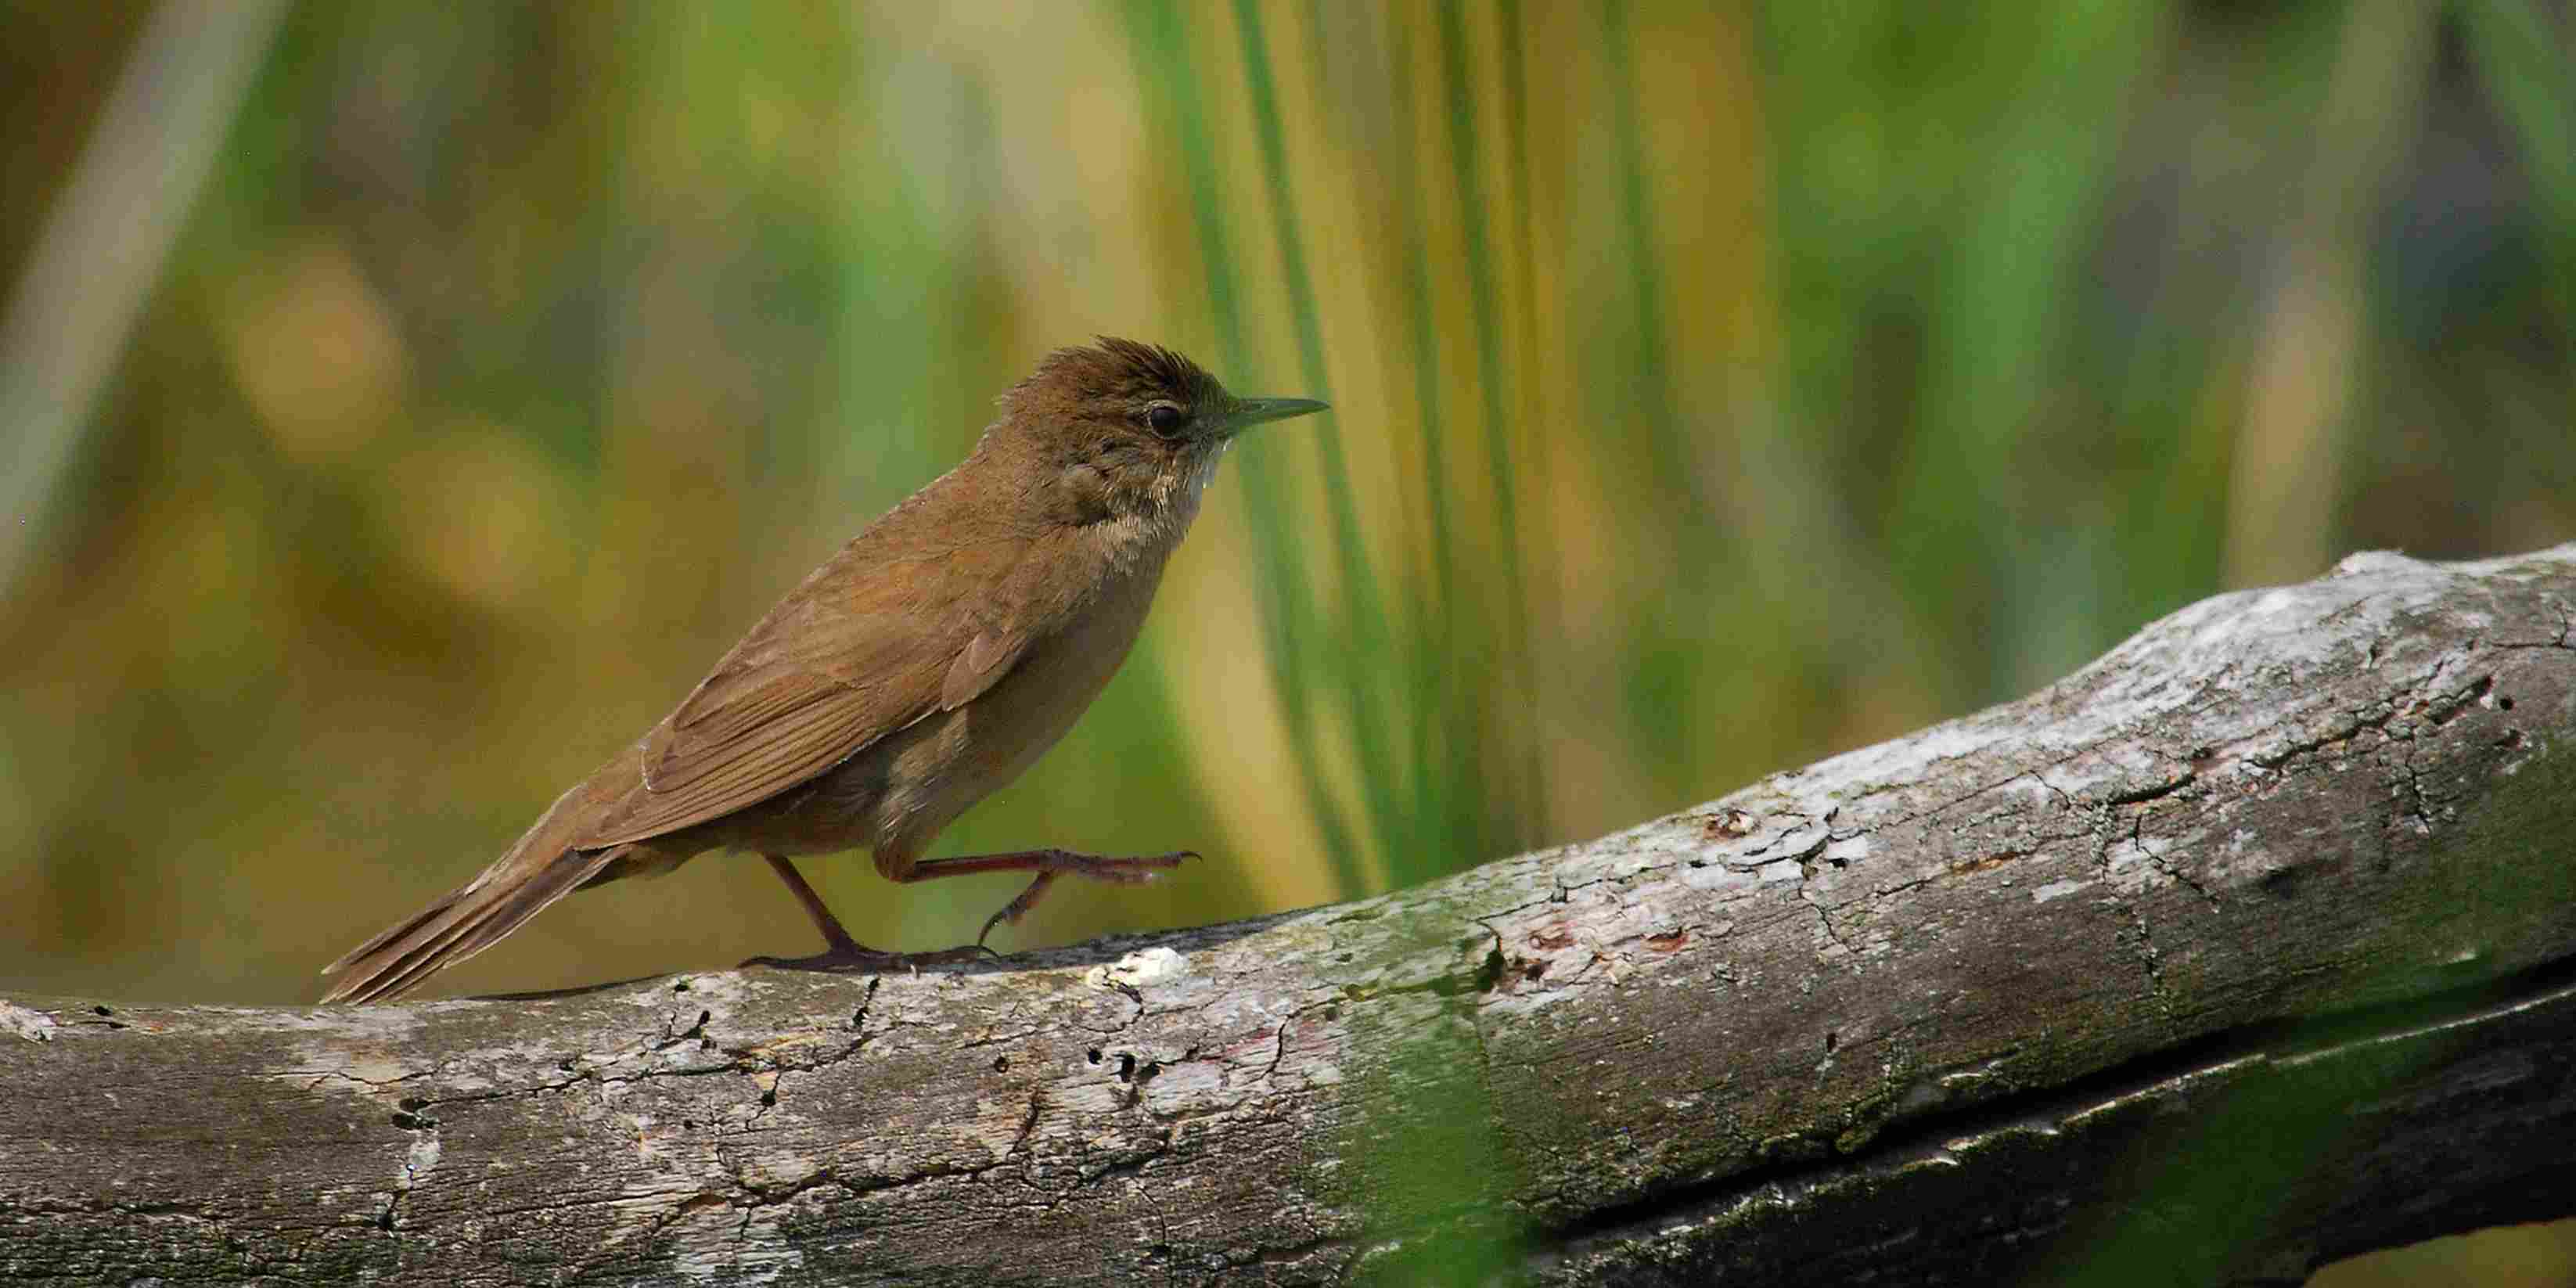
{"x": 1139, "y": 970}
{"x": 2142, "y": 795}
{"x": 25, "y": 1022}
{"x": 1732, "y": 824}
{"x": 2058, "y": 890}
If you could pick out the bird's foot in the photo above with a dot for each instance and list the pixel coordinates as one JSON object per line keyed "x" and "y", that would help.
{"x": 1051, "y": 864}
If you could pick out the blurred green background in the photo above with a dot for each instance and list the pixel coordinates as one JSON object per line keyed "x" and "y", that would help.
{"x": 407, "y": 401}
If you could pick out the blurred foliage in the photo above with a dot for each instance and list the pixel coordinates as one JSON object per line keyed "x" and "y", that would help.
{"x": 1717, "y": 387}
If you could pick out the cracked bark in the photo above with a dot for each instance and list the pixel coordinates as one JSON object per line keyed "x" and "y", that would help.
{"x": 2244, "y": 948}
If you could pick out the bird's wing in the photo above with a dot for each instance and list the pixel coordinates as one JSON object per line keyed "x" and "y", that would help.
{"x": 842, "y": 662}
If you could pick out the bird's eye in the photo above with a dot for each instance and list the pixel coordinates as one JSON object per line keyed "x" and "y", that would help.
{"x": 1164, "y": 419}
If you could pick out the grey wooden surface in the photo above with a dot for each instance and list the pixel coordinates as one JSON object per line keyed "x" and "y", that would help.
{"x": 2247, "y": 946}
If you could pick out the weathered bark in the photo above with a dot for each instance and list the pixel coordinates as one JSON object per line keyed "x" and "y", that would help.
{"x": 2248, "y": 946}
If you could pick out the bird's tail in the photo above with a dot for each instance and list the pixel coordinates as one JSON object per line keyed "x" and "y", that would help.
{"x": 540, "y": 869}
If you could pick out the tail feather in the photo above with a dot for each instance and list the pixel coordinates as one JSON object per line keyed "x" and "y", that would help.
{"x": 400, "y": 928}
{"x": 459, "y": 926}
{"x": 540, "y": 869}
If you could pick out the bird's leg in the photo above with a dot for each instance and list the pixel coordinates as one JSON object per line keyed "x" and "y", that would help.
{"x": 824, "y": 921}
{"x": 1048, "y": 864}
{"x": 845, "y": 954}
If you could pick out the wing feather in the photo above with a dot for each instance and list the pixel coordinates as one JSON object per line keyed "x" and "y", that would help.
{"x": 814, "y": 684}
{"x": 986, "y": 658}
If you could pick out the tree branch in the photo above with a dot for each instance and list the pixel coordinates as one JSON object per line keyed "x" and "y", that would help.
{"x": 2246, "y": 947}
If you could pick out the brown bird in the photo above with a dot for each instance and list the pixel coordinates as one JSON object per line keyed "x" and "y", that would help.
{"x": 916, "y": 671}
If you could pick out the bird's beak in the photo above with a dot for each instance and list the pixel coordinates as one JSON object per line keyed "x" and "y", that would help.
{"x": 1248, "y": 412}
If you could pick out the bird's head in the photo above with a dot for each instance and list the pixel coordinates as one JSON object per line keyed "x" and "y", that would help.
{"x": 1130, "y": 429}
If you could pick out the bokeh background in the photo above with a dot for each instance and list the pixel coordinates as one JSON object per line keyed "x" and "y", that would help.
{"x": 405, "y": 402}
